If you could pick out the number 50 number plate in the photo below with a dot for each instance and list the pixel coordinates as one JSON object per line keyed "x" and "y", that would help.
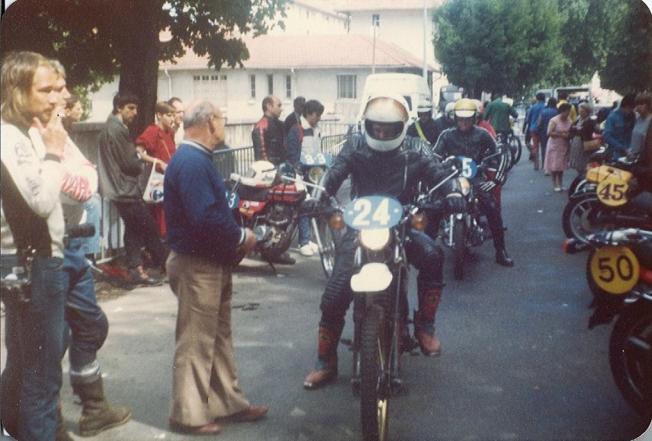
{"x": 615, "y": 269}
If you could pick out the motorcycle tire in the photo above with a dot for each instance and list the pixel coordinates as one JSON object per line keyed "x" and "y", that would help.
{"x": 630, "y": 356}
{"x": 577, "y": 216}
{"x": 327, "y": 251}
{"x": 576, "y": 184}
{"x": 459, "y": 248}
{"x": 516, "y": 148}
{"x": 374, "y": 366}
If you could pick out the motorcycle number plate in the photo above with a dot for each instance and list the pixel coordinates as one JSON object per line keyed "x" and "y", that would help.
{"x": 612, "y": 191}
{"x": 469, "y": 167}
{"x": 373, "y": 212}
{"x": 615, "y": 270}
{"x": 232, "y": 199}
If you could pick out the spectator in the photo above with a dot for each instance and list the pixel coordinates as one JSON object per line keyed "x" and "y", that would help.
{"x": 557, "y": 151}
{"x": 178, "y": 118}
{"x": 562, "y": 97}
{"x": 73, "y": 112}
{"x": 120, "y": 168}
{"x": 641, "y": 151}
{"x": 268, "y": 135}
{"x": 583, "y": 138}
{"x": 618, "y": 127}
{"x": 32, "y": 219}
{"x": 532, "y": 127}
{"x": 424, "y": 127}
{"x": 549, "y": 112}
{"x": 498, "y": 113}
{"x": 204, "y": 239}
{"x": 85, "y": 319}
{"x": 483, "y": 123}
{"x": 156, "y": 145}
{"x": 305, "y": 137}
{"x": 295, "y": 116}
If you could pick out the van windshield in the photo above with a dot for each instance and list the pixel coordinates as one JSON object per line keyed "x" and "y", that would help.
{"x": 452, "y": 96}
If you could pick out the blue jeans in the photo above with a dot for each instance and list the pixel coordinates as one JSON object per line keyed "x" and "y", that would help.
{"x": 34, "y": 339}
{"x": 305, "y": 232}
{"x": 86, "y": 322}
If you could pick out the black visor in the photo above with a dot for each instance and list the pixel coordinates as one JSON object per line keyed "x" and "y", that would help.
{"x": 384, "y": 131}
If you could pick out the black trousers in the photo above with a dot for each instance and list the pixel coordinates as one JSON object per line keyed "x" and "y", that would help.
{"x": 140, "y": 231}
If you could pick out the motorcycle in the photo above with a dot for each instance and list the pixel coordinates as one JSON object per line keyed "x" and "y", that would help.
{"x": 619, "y": 272}
{"x": 268, "y": 205}
{"x": 601, "y": 203}
{"x": 467, "y": 228}
{"x": 380, "y": 286}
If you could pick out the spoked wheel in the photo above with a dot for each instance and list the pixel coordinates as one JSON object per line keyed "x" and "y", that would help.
{"x": 459, "y": 248}
{"x": 327, "y": 250}
{"x": 630, "y": 356}
{"x": 516, "y": 149}
{"x": 580, "y": 217}
{"x": 374, "y": 376}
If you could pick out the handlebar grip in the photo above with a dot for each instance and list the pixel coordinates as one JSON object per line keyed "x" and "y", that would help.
{"x": 81, "y": 230}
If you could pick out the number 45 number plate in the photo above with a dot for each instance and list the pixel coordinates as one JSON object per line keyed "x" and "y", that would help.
{"x": 615, "y": 269}
{"x": 612, "y": 191}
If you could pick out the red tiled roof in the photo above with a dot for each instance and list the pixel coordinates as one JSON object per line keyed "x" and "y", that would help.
{"x": 311, "y": 52}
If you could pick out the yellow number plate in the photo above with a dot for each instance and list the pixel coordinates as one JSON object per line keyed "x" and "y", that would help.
{"x": 615, "y": 269}
{"x": 612, "y": 191}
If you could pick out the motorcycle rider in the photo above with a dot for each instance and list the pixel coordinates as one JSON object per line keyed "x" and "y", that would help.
{"x": 468, "y": 140}
{"x": 424, "y": 127}
{"x": 382, "y": 160}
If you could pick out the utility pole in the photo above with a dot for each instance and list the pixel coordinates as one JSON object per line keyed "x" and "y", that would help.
{"x": 375, "y": 22}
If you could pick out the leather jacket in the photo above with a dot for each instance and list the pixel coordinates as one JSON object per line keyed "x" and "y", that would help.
{"x": 476, "y": 144}
{"x": 395, "y": 173}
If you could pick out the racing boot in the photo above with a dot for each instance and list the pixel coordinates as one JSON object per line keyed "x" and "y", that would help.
{"x": 502, "y": 258}
{"x": 424, "y": 322}
{"x": 325, "y": 370}
{"x": 97, "y": 414}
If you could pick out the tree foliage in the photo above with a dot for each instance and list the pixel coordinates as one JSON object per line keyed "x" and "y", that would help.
{"x": 97, "y": 39}
{"x": 628, "y": 65}
{"x": 502, "y": 46}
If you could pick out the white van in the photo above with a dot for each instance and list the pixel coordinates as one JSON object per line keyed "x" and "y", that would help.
{"x": 414, "y": 88}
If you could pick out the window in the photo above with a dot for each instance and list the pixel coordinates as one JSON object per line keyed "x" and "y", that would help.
{"x": 347, "y": 87}
{"x": 288, "y": 86}
{"x": 252, "y": 85}
{"x": 270, "y": 84}
{"x": 211, "y": 86}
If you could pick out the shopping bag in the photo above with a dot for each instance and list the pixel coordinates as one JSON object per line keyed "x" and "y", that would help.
{"x": 153, "y": 193}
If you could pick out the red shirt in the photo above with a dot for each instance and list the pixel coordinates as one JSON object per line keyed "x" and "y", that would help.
{"x": 158, "y": 142}
{"x": 488, "y": 127}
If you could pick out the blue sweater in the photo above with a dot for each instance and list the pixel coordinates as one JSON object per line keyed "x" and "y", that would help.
{"x": 199, "y": 221}
{"x": 618, "y": 132}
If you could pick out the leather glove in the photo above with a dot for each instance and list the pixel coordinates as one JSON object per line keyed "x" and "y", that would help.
{"x": 487, "y": 186}
{"x": 455, "y": 203}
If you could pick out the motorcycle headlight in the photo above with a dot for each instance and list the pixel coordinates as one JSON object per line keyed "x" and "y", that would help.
{"x": 374, "y": 239}
{"x": 465, "y": 185}
{"x": 315, "y": 174}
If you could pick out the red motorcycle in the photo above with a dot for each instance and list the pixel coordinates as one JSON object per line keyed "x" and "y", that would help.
{"x": 268, "y": 205}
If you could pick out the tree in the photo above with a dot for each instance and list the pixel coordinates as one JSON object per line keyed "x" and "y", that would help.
{"x": 500, "y": 46}
{"x": 628, "y": 66}
{"x": 97, "y": 39}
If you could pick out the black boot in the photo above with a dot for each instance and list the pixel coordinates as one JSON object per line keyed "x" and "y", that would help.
{"x": 97, "y": 414}
{"x": 502, "y": 258}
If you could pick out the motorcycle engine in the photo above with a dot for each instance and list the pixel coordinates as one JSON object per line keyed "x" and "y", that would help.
{"x": 277, "y": 225}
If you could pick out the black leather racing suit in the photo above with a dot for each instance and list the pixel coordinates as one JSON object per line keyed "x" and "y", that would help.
{"x": 396, "y": 174}
{"x": 478, "y": 144}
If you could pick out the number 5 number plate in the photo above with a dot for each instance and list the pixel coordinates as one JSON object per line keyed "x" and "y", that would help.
{"x": 373, "y": 212}
{"x": 612, "y": 191}
{"x": 615, "y": 269}
{"x": 469, "y": 167}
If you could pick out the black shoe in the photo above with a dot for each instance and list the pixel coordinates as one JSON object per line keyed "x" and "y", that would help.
{"x": 283, "y": 259}
{"x": 502, "y": 258}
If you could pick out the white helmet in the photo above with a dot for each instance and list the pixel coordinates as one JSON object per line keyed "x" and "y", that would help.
{"x": 262, "y": 173}
{"x": 449, "y": 109}
{"x": 424, "y": 105}
{"x": 385, "y": 122}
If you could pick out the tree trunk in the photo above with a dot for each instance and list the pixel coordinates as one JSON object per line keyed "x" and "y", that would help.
{"x": 139, "y": 51}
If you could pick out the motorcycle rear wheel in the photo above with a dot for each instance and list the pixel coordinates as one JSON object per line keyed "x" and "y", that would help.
{"x": 516, "y": 149}
{"x": 578, "y": 218}
{"x": 374, "y": 376}
{"x": 630, "y": 356}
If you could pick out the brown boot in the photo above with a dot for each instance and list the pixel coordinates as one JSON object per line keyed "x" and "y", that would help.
{"x": 326, "y": 369}
{"x": 424, "y": 319}
{"x": 97, "y": 414}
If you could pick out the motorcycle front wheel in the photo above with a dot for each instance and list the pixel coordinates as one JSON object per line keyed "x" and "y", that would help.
{"x": 374, "y": 376}
{"x": 630, "y": 356}
{"x": 579, "y": 217}
{"x": 327, "y": 249}
{"x": 459, "y": 248}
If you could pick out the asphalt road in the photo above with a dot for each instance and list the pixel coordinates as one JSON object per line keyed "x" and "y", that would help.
{"x": 518, "y": 361}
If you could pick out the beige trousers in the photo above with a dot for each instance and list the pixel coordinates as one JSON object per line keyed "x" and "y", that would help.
{"x": 204, "y": 379}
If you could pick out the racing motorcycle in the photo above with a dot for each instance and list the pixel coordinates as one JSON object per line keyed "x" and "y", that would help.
{"x": 619, "y": 273}
{"x": 380, "y": 286}
{"x": 267, "y": 204}
{"x": 601, "y": 203}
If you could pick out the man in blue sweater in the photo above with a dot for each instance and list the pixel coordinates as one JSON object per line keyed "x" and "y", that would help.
{"x": 618, "y": 127}
{"x": 204, "y": 240}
